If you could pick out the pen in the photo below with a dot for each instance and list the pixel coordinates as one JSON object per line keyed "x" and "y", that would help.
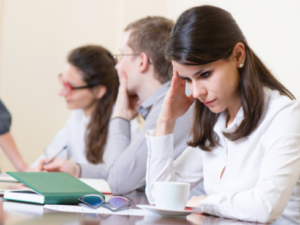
{"x": 50, "y": 160}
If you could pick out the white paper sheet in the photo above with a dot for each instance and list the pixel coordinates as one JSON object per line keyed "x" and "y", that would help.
{"x": 7, "y": 178}
{"x": 101, "y": 210}
{"x": 23, "y": 208}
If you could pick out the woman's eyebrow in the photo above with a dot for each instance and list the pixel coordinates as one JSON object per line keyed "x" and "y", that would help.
{"x": 198, "y": 72}
{"x": 182, "y": 77}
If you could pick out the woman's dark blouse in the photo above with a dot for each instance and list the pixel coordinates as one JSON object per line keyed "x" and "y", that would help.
{"x": 5, "y": 119}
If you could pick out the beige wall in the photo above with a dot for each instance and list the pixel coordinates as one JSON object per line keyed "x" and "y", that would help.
{"x": 36, "y": 35}
{"x": 35, "y": 38}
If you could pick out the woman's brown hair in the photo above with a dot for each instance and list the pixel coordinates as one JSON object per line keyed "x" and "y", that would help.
{"x": 204, "y": 35}
{"x": 97, "y": 66}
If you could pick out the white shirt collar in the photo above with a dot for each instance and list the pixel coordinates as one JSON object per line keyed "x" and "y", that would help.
{"x": 220, "y": 125}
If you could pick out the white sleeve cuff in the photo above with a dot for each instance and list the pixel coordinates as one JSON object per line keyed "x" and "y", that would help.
{"x": 36, "y": 162}
{"x": 161, "y": 146}
{"x": 210, "y": 204}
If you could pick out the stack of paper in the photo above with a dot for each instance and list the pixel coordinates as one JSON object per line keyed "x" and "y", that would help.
{"x": 7, "y": 178}
{"x": 23, "y": 208}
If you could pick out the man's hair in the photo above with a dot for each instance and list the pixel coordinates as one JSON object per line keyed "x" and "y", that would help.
{"x": 150, "y": 35}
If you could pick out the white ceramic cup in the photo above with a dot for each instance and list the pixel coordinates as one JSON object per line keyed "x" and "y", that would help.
{"x": 171, "y": 195}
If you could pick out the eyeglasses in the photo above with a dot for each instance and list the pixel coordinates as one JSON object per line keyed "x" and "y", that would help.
{"x": 118, "y": 57}
{"x": 116, "y": 203}
{"x": 70, "y": 88}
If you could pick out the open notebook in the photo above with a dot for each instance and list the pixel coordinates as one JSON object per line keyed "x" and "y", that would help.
{"x": 23, "y": 208}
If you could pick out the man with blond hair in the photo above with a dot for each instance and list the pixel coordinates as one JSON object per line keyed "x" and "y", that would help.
{"x": 144, "y": 81}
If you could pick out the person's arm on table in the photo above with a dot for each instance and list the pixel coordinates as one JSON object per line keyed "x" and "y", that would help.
{"x": 126, "y": 170}
{"x": 125, "y": 159}
{"x": 75, "y": 169}
{"x": 93, "y": 171}
{"x": 60, "y": 165}
{"x": 119, "y": 127}
{"x": 160, "y": 165}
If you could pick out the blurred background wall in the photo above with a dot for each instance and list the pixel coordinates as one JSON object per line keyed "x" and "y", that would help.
{"x": 35, "y": 37}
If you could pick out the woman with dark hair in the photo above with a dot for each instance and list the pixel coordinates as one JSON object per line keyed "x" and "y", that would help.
{"x": 89, "y": 85}
{"x": 245, "y": 143}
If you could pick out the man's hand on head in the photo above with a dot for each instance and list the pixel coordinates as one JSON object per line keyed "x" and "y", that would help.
{"x": 126, "y": 106}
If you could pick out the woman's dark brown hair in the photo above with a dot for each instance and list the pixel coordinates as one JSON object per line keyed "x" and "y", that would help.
{"x": 204, "y": 35}
{"x": 97, "y": 66}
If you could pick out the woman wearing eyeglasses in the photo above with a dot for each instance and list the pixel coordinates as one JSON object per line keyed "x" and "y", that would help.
{"x": 245, "y": 143}
{"x": 89, "y": 86}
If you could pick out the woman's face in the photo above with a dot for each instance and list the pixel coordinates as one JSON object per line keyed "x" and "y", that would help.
{"x": 76, "y": 99}
{"x": 214, "y": 84}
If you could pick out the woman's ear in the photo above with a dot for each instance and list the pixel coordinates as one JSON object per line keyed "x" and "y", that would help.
{"x": 239, "y": 54}
{"x": 144, "y": 63}
{"x": 99, "y": 91}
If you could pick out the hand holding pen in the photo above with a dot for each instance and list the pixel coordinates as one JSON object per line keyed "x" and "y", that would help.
{"x": 46, "y": 161}
{"x": 55, "y": 164}
{"x": 50, "y": 160}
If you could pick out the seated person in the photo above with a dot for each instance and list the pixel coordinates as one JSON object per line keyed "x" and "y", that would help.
{"x": 89, "y": 85}
{"x": 144, "y": 81}
{"x": 246, "y": 131}
{"x": 7, "y": 142}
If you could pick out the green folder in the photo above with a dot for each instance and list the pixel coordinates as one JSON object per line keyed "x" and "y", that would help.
{"x": 55, "y": 188}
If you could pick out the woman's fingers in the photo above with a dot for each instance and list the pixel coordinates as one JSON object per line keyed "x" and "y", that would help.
{"x": 191, "y": 98}
{"x": 41, "y": 163}
{"x": 123, "y": 82}
{"x": 54, "y": 165}
{"x": 177, "y": 85}
{"x": 123, "y": 78}
{"x": 34, "y": 169}
{"x": 175, "y": 73}
{"x": 181, "y": 83}
{"x": 195, "y": 201}
{"x": 176, "y": 80}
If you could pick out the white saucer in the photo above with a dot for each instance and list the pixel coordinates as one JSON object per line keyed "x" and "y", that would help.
{"x": 167, "y": 213}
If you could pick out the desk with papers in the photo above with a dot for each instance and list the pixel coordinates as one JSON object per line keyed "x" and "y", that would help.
{"x": 16, "y": 213}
